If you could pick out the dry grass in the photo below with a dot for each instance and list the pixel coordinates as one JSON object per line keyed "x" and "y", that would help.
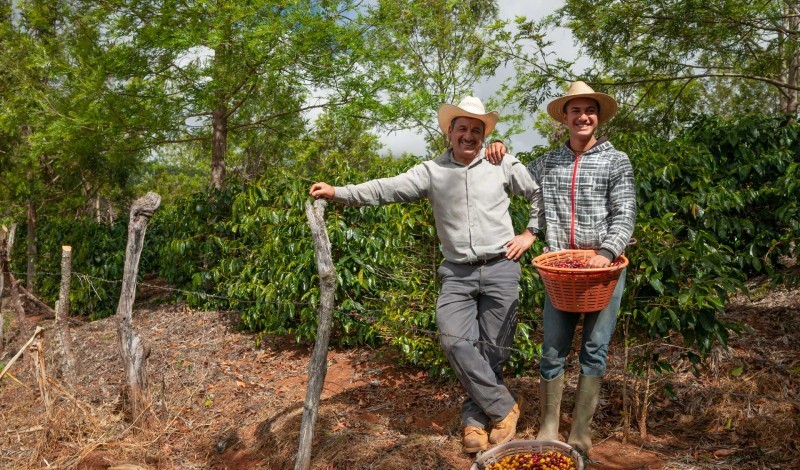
{"x": 223, "y": 402}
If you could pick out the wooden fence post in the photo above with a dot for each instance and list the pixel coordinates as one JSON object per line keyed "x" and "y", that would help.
{"x": 39, "y": 371}
{"x": 62, "y": 310}
{"x": 6, "y": 244}
{"x": 3, "y": 256}
{"x": 16, "y": 303}
{"x": 318, "y": 365}
{"x": 131, "y": 348}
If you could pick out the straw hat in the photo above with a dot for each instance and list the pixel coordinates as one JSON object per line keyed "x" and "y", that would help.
{"x": 468, "y": 107}
{"x": 608, "y": 106}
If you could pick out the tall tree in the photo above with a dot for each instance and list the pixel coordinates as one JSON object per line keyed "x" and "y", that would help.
{"x": 68, "y": 138}
{"x": 425, "y": 53}
{"x": 672, "y": 45}
{"x": 241, "y": 73}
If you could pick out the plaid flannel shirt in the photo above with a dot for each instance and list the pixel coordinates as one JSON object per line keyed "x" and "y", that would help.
{"x": 604, "y": 195}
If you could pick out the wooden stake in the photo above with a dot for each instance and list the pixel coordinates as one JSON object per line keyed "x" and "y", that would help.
{"x": 132, "y": 350}
{"x": 3, "y": 257}
{"x": 62, "y": 311}
{"x": 6, "y": 244}
{"x": 39, "y": 371}
{"x": 38, "y": 330}
{"x": 16, "y": 303}
{"x": 318, "y": 365}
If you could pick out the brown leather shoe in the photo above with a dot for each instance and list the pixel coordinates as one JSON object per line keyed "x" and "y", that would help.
{"x": 505, "y": 429}
{"x": 475, "y": 439}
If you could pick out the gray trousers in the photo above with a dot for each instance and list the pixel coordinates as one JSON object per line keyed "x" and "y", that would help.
{"x": 477, "y": 316}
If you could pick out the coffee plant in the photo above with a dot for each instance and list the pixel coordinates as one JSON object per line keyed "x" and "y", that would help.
{"x": 717, "y": 204}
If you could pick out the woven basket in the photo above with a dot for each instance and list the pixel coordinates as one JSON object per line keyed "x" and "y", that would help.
{"x": 522, "y": 447}
{"x": 574, "y": 289}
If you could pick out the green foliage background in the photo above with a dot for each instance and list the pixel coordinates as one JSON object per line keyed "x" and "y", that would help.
{"x": 717, "y": 204}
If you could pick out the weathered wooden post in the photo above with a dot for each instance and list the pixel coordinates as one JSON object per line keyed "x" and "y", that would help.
{"x": 16, "y": 303}
{"x": 318, "y": 365}
{"x": 131, "y": 348}
{"x": 6, "y": 244}
{"x": 3, "y": 256}
{"x": 39, "y": 371}
{"x": 62, "y": 310}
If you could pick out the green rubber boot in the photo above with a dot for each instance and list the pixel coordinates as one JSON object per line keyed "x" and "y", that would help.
{"x": 588, "y": 395}
{"x": 550, "y": 392}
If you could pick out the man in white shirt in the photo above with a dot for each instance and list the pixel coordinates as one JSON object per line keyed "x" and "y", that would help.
{"x": 476, "y": 312}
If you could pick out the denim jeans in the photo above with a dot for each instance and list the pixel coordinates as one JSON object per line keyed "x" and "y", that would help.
{"x": 559, "y": 328}
{"x": 477, "y": 317}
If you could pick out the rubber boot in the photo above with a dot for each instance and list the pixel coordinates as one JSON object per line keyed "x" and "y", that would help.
{"x": 588, "y": 395}
{"x": 550, "y": 392}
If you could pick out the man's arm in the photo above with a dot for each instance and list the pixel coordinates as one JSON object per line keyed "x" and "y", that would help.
{"x": 405, "y": 187}
{"x": 523, "y": 184}
{"x": 495, "y": 152}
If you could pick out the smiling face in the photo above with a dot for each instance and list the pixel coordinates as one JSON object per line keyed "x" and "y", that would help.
{"x": 580, "y": 116}
{"x": 466, "y": 137}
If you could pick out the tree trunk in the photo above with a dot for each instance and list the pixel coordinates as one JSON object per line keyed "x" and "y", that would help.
{"x": 219, "y": 143}
{"x": 318, "y": 365}
{"x": 132, "y": 350}
{"x": 62, "y": 310}
{"x": 793, "y": 75}
{"x": 32, "y": 251}
{"x": 790, "y": 73}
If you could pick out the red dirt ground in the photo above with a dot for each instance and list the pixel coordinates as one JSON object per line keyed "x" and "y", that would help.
{"x": 226, "y": 400}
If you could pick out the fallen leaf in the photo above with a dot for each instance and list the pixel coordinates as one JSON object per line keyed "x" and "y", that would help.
{"x": 723, "y": 452}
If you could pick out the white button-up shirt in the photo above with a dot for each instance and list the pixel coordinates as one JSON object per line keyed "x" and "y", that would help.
{"x": 470, "y": 202}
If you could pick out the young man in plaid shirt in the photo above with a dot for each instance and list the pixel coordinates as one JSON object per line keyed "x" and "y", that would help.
{"x": 589, "y": 200}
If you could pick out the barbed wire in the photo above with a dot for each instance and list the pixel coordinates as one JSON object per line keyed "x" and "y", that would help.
{"x": 359, "y": 316}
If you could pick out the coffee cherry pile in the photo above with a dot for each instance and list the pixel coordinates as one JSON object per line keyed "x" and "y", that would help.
{"x": 575, "y": 263}
{"x": 569, "y": 263}
{"x": 534, "y": 461}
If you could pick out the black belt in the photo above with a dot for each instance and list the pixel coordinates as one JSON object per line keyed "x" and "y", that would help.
{"x": 481, "y": 262}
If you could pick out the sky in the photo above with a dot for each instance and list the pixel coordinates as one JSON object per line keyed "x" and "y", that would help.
{"x": 409, "y": 141}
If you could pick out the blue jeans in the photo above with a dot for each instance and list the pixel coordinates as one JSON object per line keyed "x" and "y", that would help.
{"x": 559, "y": 328}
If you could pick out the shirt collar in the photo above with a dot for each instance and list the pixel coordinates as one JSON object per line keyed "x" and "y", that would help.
{"x": 602, "y": 140}
{"x": 481, "y": 156}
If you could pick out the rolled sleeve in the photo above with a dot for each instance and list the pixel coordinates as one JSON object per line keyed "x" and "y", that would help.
{"x": 523, "y": 184}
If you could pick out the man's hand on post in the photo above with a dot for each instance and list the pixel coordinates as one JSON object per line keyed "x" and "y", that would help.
{"x": 519, "y": 245}
{"x": 321, "y": 190}
{"x": 495, "y": 152}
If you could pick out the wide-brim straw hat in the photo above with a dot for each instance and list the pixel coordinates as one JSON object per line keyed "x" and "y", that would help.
{"x": 470, "y": 106}
{"x": 608, "y": 106}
